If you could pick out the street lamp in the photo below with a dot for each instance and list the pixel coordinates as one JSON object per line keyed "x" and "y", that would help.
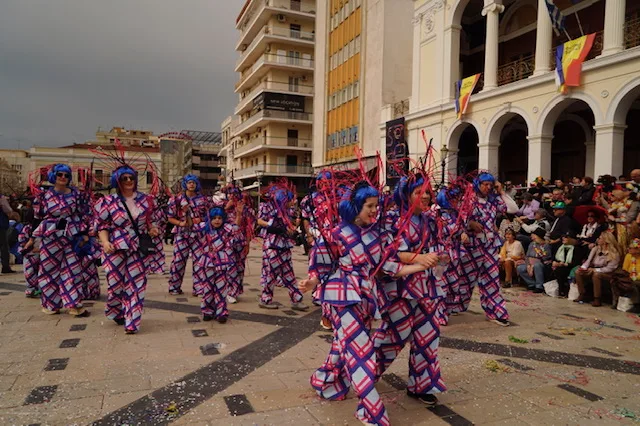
{"x": 444, "y": 152}
{"x": 259, "y": 175}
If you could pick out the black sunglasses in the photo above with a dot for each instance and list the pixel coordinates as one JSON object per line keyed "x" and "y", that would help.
{"x": 63, "y": 175}
{"x": 126, "y": 178}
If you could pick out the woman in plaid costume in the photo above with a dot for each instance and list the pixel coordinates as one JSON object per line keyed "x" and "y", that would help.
{"x": 60, "y": 211}
{"x": 187, "y": 211}
{"x": 123, "y": 262}
{"x": 355, "y": 300}
{"x": 31, "y": 256}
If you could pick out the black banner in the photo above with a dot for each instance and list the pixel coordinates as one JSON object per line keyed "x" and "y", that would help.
{"x": 279, "y": 101}
{"x": 397, "y": 150}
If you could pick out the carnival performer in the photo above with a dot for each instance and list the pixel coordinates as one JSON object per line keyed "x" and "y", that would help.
{"x": 89, "y": 252}
{"x": 60, "y": 213}
{"x": 125, "y": 227}
{"x": 277, "y": 263}
{"x": 414, "y": 300}
{"x": 355, "y": 301}
{"x": 157, "y": 262}
{"x": 30, "y": 249}
{"x": 482, "y": 242}
{"x": 247, "y": 220}
{"x": 218, "y": 261}
{"x": 187, "y": 211}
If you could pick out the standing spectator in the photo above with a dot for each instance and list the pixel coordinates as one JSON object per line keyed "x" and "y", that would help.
{"x": 15, "y": 227}
{"x": 511, "y": 254}
{"x": 603, "y": 260}
{"x": 584, "y": 196}
{"x": 5, "y": 211}
{"x": 529, "y": 208}
{"x": 537, "y": 261}
{"x": 561, "y": 225}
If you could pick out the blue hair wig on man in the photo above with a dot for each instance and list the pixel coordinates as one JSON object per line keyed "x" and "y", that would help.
{"x": 119, "y": 172}
{"x": 404, "y": 188}
{"x": 482, "y": 177}
{"x": 323, "y": 175}
{"x": 59, "y": 168}
{"x": 350, "y": 208}
{"x": 193, "y": 178}
{"x": 217, "y": 211}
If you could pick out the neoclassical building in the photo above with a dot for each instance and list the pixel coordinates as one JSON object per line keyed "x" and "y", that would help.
{"x": 518, "y": 125}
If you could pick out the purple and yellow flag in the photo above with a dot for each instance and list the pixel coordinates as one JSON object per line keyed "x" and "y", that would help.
{"x": 464, "y": 88}
{"x": 569, "y": 59}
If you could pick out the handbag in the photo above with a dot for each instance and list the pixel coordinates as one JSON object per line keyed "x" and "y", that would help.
{"x": 145, "y": 245}
{"x": 552, "y": 288}
{"x": 574, "y": 292}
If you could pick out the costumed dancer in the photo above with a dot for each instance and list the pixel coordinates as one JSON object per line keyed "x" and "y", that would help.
{"x": 125, "y": 227}
{"x": 482, "y": 241}
{"x": 277, "y": 263}
{"x": 218, "y": 260}
{"x": 157, "y": 262}
{"x": 247, "y": 220}
{"x": 89, "y": 252}
{"x": 60, "y": 213}
{"x": 30, "y": 249}
{"x": 355, "y": 300}
{"x": 187, "y": 211}
{"x": 411, "y": 315}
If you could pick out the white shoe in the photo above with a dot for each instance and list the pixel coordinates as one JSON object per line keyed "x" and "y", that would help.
{"x": 231, "y": 299}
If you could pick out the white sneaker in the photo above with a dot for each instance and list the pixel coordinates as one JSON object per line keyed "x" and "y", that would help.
{"x": 231, "y": 299}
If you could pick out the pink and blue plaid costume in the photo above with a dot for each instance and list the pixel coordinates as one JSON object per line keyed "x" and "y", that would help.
{"x": 277, "y": 264}
{"x": 89, "y": 278}
{"x": 31, "y": 262}
{"x": 217, "y": 263}
{"x": 125, "y": 267}
{"x": 240, "y": 250}
{"x": 480, "y": 261}
{"x": 188, "y": 241}
{"x": 355, "y": 300}
{"x": 412, "y": 312}
{"x": 59, "y": 264}
{"x": 156, "y": 260}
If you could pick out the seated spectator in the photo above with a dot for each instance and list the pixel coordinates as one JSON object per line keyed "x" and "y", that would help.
{"x": 568, "y": 256}
{"x": 634, "y": 184}
{"x": 538, "y": 189}
{"x": 556, "y": 196}
{"x": 508, "y": 222}
{"x": 629, "y": 286}
{"x": 622, "y": 179}
{"x": 539, "y": 221}
{"x": 510, "y": 189}
{"x": 622, "y": 211}
{"x": 583, "y": 195}
{"x": 591, "y": 230}
{"x": 536, "y": 262}
{"x": 562, "y": 224}
{"x": 602, "y": 261}
{"x": 529, "y": 208}
{"x": 511, "y": 254}
{"x": 559, "y": 184}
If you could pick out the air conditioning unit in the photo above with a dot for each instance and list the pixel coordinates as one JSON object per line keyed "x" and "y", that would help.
{"x": 243, "y": 47}
{"x": 303, "y": 78}
{"x": 282, "y": 18}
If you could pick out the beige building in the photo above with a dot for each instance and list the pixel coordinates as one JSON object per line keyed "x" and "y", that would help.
{"x": 128, "y": 137}
{"x": 275, "y": 90}
{"x": 15, "y": 170}
{"x": 518, "y": 125}
{"x": 363, "y": 62}
{"x": 208, "y": 162}
{"x": 228, "y": 146}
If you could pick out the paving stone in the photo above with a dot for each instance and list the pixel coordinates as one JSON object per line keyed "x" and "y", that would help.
{"x": 78, "y": 327}
{"x": 41, "y": 395}
{"x": 56, "y": 364}
{"x": 199, "y": 333}
{"x": 182, "y": 299}
{"x": 69, "y": 343}
{"x": 192, "y": 320}
{"x": 238, "y": 405}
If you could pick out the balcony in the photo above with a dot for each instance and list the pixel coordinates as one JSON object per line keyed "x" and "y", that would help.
{"x": 246, "y": 101}
{"x": 261, "y": 118}
{"x": 261, "y": 12}
{"x": 273, "y": 142}
{"x": 271, "y": 34}
{"x": 251, "y": 75}
{"x": 274, "y": 169}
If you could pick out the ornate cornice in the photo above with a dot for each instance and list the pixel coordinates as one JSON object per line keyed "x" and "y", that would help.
{"x": 427, "y": 16}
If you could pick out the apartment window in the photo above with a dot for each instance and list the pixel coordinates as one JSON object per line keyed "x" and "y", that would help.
{"x": 295, "y": 4}
{"x": 357, "y": 44}
{"x": 149, "y": 178}
{"x": 293, "y": 58}
{"x": 294, "y": 83}
{"x": 294, "y": 30}
{"x": 356, "y": 89}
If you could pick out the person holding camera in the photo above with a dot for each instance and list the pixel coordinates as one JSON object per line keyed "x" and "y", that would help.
{"x": 126, "y": 225}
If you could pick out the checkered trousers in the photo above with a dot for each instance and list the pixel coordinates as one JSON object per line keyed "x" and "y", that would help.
{"x": 127, "y": 282}
{"x": 186, "y": 245}
{"x": 59, "y": 268}
{"x": 277, "y": 269}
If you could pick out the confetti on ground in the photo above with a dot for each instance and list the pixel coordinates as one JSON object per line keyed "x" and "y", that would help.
{"x": 496, "y": 367}
{"x": 517, "y": 340}
{"x": 172, "y": 408}
{"x": 625, "y": 412}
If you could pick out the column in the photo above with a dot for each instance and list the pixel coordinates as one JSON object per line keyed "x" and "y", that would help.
{"x": 590, "y": 159}
{"x": 488, "y": 157}
{"x": 544, "y": 39}
{"x": 539, "y": 157}
{"x": 609, "y": 150}
{"x": 613, "y": 27}
{"x": 416, "y": 102}
{"x": 491, "y": 11}
{"x": 451, "y": 62}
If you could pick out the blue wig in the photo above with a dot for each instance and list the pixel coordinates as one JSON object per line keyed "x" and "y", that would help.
{"x": 117, "y": 174}
{"x": 445, "y": 195}
{"x": 404, "y": 189}
{"x": 350, "y": 208}
{"x": 482, "y": 177}
{"x": 282, "y": 196}
{"x": 217, "y": 211}
{"x": 59, "y": 168}
{"x": 323, "y": 175}
{"x": 188, "y": 178}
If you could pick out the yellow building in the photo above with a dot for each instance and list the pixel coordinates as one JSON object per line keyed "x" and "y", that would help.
{"x": 518, "y": 125}
{"x": 363, "y": 51}
{"x": 128, "y": 137}
{"x": 275, "y": 90}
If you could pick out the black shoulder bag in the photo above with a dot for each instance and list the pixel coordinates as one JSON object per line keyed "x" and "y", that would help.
{"x": 146, "y": 245}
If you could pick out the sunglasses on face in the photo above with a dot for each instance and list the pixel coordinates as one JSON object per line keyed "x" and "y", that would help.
{"x": 126, "y": 178}
{"x": 63, "y": 175}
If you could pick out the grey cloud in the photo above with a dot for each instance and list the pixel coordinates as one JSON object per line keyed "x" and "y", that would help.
{"x": 69, "y": 66}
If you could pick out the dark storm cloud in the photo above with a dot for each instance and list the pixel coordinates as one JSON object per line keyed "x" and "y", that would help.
{"x": 69, "y": 66}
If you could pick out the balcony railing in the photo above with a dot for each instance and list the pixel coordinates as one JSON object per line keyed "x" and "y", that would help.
{"x": 274, "y": 59}
{"x": 272, "y": 85}
{"x": 278, "y": 32}
{"x": 267, "y": 114}
{"x": 275, "y": 169}
{"x": 273, "y": 142}
{"x": 516, "y": 70}
{"x": 632, "y": 33}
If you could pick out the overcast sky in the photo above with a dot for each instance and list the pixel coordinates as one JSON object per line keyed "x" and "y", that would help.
{"x": 69, "y": 66}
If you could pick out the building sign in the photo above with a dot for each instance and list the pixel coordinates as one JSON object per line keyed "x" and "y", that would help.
{"x": 279, "y": 101}
{"x": 397, "y": 150}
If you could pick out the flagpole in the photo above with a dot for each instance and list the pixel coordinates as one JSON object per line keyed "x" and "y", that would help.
{"x": 566, "y": 33}
{"x": 579, "y": 23}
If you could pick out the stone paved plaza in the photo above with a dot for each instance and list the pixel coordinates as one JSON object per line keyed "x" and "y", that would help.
{"x": 255, "y": 370}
